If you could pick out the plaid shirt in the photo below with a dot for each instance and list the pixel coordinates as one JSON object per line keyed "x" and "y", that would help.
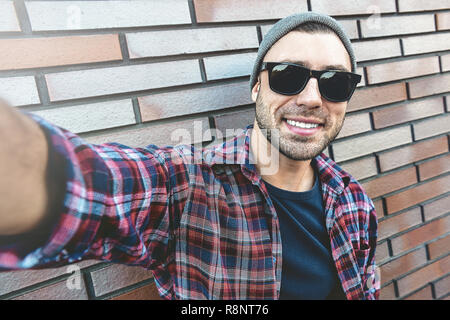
{"x": 203, "y": 224}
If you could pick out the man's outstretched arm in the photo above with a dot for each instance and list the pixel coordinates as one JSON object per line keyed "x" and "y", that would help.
{"x": 23, "y": 163}
{"x": 111, "y": 202}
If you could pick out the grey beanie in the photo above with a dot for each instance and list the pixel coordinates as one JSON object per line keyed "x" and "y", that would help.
{"x": 285, "y": 25}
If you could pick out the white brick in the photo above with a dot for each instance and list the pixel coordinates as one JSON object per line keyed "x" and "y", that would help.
{"x": 74, "y": 15}
{"x": 350, "y": 27}
{"x": 427, "y": 43}
{"x": 96, "y": 82}
{"x": 361, "y": 169}
{"x": 355, "y": 124}
{"x": 172, "y": 133}
{"x": 360, "y": 146}
{"x": 265, "y": 29}
{"x": 8, "y": 18}
{"x": 19, "y": 91}
{"x": 445, "y": 62}
{"x": 421, "y": 5}
{"x": 371, "y": 27}
{"x": 182, "y": 102}
{"x": 164, "y": 43}
{"x": 360, "y": 71}
{"x": 352, "y": 6}
{"x": 432, "y": 127}
{"x": 229, "y": 66}
{"x": 90, "y": 117}
{"x": 370, "y": 50}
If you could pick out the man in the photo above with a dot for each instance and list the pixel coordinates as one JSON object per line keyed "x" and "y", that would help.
{"x": 214, "y": 228}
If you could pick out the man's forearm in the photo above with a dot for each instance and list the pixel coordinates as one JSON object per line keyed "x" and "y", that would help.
{"x": 23, "y": 162}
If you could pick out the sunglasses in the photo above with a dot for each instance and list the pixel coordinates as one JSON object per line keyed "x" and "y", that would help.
{"x": 290, "y": 79}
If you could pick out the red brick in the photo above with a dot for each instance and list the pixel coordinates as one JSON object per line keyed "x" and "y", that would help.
{"x": 422, "y": 5}
{"x": 352, "y": 7}
{"x": 173, "y": 133}
{"x": 426, "y": 43}
{"x": 443, "y": 20}
{"x": 147, "y": 292}
{"x": 434, "y": 167}
{"x": 396, "y": 25}
{"x": 415, "y": 152}
{"x": 57, "y": 51}
{"x": 423, "y": 276}
{"x": 362, "y": 168}
{"x": 439, "y": 247}
{"x": 432, "y": 127}
{"x": 407, "y": 112}
{"x": 402, "y": 69}
{"x": 390, "y": 182}
{"x": 420, "y": 235}
{"x": 442, "y": 287}
{"x": 117, "y": 276}
{"x": 237, "y": 10}
{"x": 379, "y": 208}
{"x": 423, "y": 294}
{"x": 395, "y": 268}
{"x": 376, "y": 96}
{"x": 388, "y": 292}
{"x": 429, "y": 85}
{"x": 401, "y": 222}
{"x": 183, "y": 102}
{"x": 57, "y": 291}
{"x": 436, "y": 208}
{"x": 417, "y": 194}
{"x": 382, "y": 253}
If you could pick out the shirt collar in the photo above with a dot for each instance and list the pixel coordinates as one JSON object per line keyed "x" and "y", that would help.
{"x": 236, "y": 151}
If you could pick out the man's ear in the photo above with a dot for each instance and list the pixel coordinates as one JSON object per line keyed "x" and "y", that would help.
{"x": 255, "y": 91}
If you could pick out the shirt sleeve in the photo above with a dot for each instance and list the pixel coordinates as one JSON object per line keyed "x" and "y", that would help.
{"x": 371, "y": 278}
{"x": 108, "y": 202}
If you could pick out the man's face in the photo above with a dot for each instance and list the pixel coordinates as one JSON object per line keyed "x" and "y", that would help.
{"x": 318, "y": 51}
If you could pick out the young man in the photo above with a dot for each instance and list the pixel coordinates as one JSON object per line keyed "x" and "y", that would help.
{"x": 213, "y": 223}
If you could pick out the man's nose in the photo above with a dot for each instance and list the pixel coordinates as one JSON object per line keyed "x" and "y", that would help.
{"x": 310, "y": 96}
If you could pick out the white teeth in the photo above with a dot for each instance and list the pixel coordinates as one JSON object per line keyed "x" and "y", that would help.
{"x": 303, "y": 125}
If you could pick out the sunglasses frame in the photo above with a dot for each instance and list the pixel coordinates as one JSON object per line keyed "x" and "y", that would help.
{"x": 355, "y": 78}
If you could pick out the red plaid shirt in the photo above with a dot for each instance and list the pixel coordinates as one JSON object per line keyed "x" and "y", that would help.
{"x": 203, "y": 224}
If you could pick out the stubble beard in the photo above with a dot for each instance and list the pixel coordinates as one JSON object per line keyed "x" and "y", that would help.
{"x": 293, "y": 146}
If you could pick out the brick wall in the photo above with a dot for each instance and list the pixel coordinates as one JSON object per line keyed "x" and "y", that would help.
{"x": 133, "y": 72}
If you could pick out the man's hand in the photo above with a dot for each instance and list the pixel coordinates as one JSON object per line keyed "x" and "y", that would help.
{"x": 23, "y": 162}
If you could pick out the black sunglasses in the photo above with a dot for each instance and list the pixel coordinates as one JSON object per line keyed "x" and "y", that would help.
{"x": 290, "y": 79}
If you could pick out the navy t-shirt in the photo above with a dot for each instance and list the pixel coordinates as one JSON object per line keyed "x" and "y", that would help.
{"x": 308, "y": 270}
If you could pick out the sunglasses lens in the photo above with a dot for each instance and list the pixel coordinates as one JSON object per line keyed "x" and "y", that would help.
{"x": 287, "y": 79}
{"x": 336, "y": 86}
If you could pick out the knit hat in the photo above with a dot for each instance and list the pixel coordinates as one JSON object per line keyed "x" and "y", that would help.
{"x": 285, "y": 25}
